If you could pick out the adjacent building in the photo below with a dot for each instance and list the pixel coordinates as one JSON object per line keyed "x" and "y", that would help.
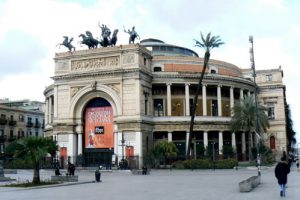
{"x": 111, "y": 103}
{"x": 20, "y": 119}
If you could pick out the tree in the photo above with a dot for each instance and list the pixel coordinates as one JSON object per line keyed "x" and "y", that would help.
{"x": 208, "y": 44}
{"x": 244, "y": 117}
{"x": 289, "y": 128}
{"x": 164, "y": 149}
{"x": 33, "y": 149}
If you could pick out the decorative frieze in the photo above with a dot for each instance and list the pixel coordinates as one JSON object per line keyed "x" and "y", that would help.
{"x": 128, "y": 58}
{"x": 94, "y": 63}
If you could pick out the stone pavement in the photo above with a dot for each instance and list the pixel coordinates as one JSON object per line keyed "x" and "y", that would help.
{"x": 159, "y": 185}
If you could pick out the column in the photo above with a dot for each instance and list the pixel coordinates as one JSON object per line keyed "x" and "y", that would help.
{"x": 79, "y": 144}
{"x": 71, "y": 151}
{"x": 138, "y": 150}
{"x": 204, "y": 100}
{"x": 231, "y": 100}
{"x": 55, "y": 100}
{"x": 79, "y": 130}
{"x": 169, "y": 136}
{"x": 187, "y": 141}
{"x": 220, "y": 143}
{"x": 46, "y": 111}
{"x": 251, "y": 140}
{"x": 241, "y": 94}
{"x": 233, "y": 140}
{"x": 244, "y": 145}
{"x": 205, "y": 139}
{"x": 50, "y": 110}
{"x": 169, "y": 99}
{"x": 248, "y": 93}
{"x": 219, "y": 101}
{"x": 187, "y": 100}
{"x": 116, "y": 140}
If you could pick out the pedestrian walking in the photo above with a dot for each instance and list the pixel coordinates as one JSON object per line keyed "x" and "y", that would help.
{"x": 297, "y": 164}
{"x": 281, "y": 171}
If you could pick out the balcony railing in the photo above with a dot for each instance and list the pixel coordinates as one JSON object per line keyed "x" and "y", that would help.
{"x": 37, "y": 125}
{"x": 11, "y": 138}
{"x": 2, "y": 138}
{"x": 3, "y": 121}
{"x": 12, "y": 122}
{"x": 29, "y": 124}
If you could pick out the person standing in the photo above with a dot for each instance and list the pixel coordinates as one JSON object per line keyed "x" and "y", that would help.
{"x": 282, "y": 169}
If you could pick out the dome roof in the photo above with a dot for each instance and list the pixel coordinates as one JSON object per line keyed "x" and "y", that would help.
{"x": 158, "y": 47}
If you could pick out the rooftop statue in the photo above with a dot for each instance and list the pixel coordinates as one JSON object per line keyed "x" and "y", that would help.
{"x": 114, "y": 39}
{"x": 67, "y": 43}
{"x": 132, "y": 34}
{"x": 105, "y": 34}
{"x": 89, "y": 40}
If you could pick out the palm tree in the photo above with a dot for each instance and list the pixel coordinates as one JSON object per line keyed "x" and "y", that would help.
{"x": 245, "y": 117}
{"x": 34, "y": 149}
{"x": 208, "y": 44}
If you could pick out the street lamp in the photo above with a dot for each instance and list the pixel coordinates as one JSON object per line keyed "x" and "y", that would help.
{"x": 255, "y": 94}
{"x": 297, "y": 151}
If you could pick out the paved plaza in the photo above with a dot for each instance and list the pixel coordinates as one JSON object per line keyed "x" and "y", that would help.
{"x": 160, "y": 184}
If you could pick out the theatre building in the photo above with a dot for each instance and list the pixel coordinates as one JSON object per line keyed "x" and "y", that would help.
{"x": 111, "y": 103}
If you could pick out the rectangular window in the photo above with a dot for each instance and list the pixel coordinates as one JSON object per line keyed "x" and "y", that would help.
{"x": 158, "y": 107}
{"x": 271, "y": 112}
{"x": 177, "y": 107}
{"x": 21, "y": 118}
{"x": 269, "y": 77}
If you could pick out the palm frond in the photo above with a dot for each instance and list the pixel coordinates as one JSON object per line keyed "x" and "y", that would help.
{"x": 209, "y": 42}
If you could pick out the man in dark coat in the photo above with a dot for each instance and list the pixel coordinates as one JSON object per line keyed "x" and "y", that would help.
{"x": 281, "y": 171}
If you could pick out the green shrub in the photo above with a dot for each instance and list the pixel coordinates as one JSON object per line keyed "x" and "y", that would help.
{"x": 18, "y": 164}
{"x": 205, "y": 164}
{"x": 178, "y": 165}
{"x": 226, "y": 163}
{"x": 228, "y": 151}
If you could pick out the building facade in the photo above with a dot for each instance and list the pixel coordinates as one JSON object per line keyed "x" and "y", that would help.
{"x": 116, "y": 102}
{"x": 17, "y": 122}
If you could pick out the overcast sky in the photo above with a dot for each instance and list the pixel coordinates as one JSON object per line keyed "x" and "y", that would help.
{"x": 30, "y": 31}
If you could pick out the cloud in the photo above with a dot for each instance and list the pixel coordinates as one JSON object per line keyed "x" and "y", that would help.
{"x": 20, "y": 52}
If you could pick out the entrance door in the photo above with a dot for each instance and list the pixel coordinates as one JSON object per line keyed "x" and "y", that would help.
{"x": 63, "y": 152}
{"x": 129, "y": 151}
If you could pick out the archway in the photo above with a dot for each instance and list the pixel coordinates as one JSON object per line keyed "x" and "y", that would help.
{"x": 98, "y": 139}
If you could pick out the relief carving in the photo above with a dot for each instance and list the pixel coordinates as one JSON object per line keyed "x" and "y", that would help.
{"x": 74, "y": 91}
{"x": 94, "y": 85}
{"x": 94, "y": 63}
{"x": 129, "y": 58}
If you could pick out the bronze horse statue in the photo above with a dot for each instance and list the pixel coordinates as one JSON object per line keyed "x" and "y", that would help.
{"x": 105, "y": 35}
{"x": 114, "y": 38}
{"x": 89, "y": 40}
{"x": 67, "y": 43}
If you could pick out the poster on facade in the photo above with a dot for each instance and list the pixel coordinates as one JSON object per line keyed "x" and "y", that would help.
{"x": 99, "y": 127}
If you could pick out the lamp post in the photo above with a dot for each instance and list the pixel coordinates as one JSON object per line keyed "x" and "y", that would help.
{"x": 255, "y": 94}
{"x": 297, "y": 150}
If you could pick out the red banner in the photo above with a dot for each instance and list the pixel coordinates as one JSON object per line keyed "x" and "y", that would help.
{"x": 99, "y": 128}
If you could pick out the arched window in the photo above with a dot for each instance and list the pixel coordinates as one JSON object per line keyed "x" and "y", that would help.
{"x": 213, "y": 71}
{"x": 272, "y": 142}
{"x": 157, "y": 69}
